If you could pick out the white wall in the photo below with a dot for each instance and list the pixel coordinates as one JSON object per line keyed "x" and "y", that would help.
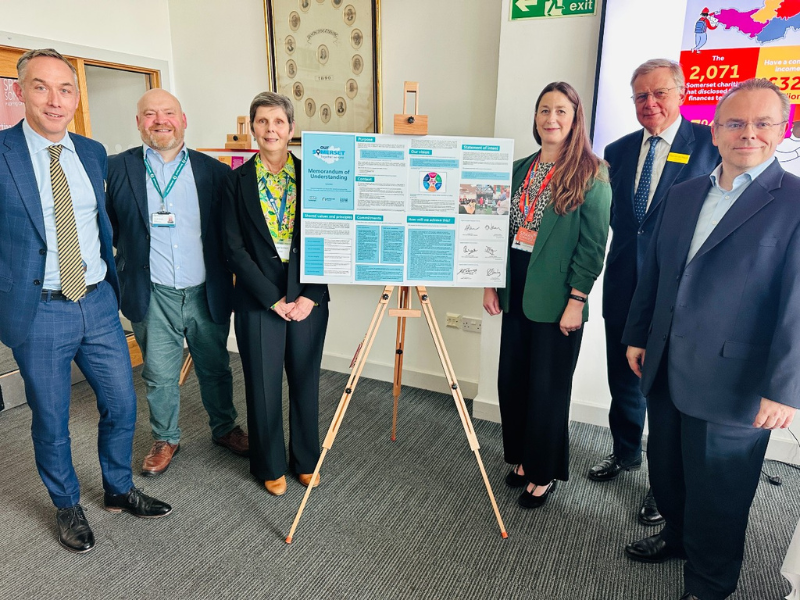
{"x": 220, "y": 62}
{"x": 131, "y": 32}
{"x": 137, "y": 27}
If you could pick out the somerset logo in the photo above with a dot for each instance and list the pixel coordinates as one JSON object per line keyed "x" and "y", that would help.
{"x": 329, "y": 154}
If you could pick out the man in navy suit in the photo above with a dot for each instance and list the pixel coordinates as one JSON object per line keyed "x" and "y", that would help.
{"x": 47, "y": 327}
{"x": 713, "y": 333}
{"x": 165, "y": 204}
{"x": 683, "y": 150}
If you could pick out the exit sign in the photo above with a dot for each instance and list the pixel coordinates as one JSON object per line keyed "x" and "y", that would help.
{"x": 538, "y": 9}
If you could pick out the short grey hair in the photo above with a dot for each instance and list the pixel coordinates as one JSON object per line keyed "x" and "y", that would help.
{"x": 651, "y": 65}
{"x": 271, "y": 99}
{"x": 22, "y": 63}
{"x": 749, "y": 85}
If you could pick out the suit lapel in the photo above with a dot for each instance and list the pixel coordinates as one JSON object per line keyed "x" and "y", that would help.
{"x": 549, "y": 220}
{"x": 628, "y": 170}
{"x": 202, "y": 180}
{"x": 752, "y": 200}
{"x": 690, "y": 213}
{"x": 683, "y": 144}
{"x": 20, "y": 166}
{"x": 134, "y": 167}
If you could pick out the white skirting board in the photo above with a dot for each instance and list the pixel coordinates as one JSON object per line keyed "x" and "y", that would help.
{"x": 782, "y": 446}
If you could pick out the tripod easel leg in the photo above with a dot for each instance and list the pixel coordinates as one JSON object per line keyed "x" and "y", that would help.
{"x": 455, "y": 390}
{"x": 403, "y": 302}
{"x": 361, "y": 360}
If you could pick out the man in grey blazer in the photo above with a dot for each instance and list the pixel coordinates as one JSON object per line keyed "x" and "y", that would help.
{"x": 713, "y": 333}
{"x": 165, "y": 205}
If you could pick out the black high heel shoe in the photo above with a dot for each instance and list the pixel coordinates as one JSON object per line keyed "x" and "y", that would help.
{"x": 514, "y": 479}
{"x": 528, "y": 500}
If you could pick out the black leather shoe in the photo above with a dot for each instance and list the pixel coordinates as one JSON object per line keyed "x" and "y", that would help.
{"x": 652, "y": 549}
{"x": 528, "y": 500}
{"x": 610, "y": 467}
{"x": 648, "y": 511}
{"x": 137, "y": 503}
{"x": 74, "y": 532}
{"x": 689, "y": 597}
{"x": 514, "y": 480}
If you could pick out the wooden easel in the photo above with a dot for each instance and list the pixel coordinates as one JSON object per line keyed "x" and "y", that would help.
{"x": 413, "y": 124}
{"x": 402, "y": 312}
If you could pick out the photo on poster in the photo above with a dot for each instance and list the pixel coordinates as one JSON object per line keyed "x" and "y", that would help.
{"x": 483, "y": 199}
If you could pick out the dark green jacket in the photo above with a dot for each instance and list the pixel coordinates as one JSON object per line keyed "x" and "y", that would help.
{"x": 568, "y": 254}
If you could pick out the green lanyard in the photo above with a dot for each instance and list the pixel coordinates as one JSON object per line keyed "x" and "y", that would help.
{"x": 172, "y": 180}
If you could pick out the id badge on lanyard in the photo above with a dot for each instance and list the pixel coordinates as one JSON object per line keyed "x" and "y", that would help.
{"x": 164, "y": 218}
{"x": 525, "y": 239}
{"x": 284, "y": 248}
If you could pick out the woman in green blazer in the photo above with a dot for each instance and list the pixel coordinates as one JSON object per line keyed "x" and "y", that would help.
{"x": 559, "y": 217}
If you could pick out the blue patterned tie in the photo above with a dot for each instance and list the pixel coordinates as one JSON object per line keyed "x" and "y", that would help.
{"x": 643, "y": 190}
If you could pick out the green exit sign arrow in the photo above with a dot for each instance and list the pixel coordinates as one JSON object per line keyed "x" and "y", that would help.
{"x": 537, "y": 9}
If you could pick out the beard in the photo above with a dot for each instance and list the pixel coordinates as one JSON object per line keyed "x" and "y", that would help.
{"x": 159, "y": 141}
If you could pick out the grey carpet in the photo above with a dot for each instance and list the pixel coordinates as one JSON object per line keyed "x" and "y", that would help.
{"x": 7, "y": 362}
{"x": 404, "y": 519}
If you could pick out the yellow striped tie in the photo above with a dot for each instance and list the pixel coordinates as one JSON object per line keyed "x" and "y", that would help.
{"x": 70, "y": 263}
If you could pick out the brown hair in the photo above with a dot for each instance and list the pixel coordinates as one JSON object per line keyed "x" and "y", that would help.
{"x": 576, "y": 164}
{"x": 22, "y": 63}
{"x": 749, "y": 85}
{"x": 271, "y": 99}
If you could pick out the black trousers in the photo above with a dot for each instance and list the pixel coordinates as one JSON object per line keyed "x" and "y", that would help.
{"x": 704, "y": 477}
{"x": 267, "y": 344}
{"x": 534, "y": 385}
{"x": 628, "y": 405}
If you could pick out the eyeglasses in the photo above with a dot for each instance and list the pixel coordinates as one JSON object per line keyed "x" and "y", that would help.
{"x": 742, "y": 125}
{"x": 659, "y": 94}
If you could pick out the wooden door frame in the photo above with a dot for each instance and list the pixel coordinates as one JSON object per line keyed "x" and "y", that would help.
{"x": 81, "y": 122}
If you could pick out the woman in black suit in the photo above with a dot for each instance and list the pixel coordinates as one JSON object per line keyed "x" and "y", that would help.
{"x": 279, "y": 322}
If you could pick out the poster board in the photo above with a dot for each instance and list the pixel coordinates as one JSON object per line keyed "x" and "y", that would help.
{"x": 405, "y": 210}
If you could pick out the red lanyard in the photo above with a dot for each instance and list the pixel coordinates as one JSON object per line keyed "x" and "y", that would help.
{"x": 527, "y": 206}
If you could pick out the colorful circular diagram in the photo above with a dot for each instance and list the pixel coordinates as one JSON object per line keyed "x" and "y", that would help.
{"x": 432, "y": 182}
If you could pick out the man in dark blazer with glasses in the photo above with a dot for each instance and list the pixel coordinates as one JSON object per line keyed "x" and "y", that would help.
{"x": 640, "y": 184}
{"x": 713, "y": 333}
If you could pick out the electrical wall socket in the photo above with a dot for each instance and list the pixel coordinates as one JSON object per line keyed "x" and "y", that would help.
{"x": 471, "y": 324}
{"x": 453, "y": 320}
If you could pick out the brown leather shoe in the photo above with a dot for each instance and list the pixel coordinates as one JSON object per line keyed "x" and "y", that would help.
{"x": 235, "y": 440}
{"x": 158, "y": 459}
{"x": 305, "y": 479}
{"x": 276, "y": 487}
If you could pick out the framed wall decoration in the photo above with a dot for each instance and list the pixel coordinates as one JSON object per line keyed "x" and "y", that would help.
{"x": 325, "y": 56}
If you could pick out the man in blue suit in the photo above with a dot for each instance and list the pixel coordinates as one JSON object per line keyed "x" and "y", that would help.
{"x": 165, "y": 205}
{"x": 642, "y": 173}
{"x": 55, "y": 231}
{"x": 713, "y": 333}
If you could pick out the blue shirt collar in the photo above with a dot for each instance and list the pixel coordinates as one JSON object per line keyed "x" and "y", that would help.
{"x": 746, "y": 177}
{"x": 37, "y": 143}
{"x": 151, "y": 154}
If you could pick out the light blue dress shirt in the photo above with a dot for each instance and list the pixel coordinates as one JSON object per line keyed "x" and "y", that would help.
{"x": 176, "y": 253}
{"x": 84, "y": 204}
{"x": 718, "y": 202}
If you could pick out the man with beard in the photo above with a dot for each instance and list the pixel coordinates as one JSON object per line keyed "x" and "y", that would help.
{"x": 165, "y": 204}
